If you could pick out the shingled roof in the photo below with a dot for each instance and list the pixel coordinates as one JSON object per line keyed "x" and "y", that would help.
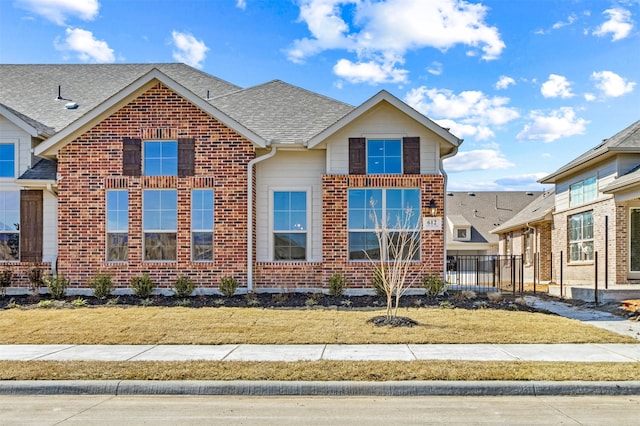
{"x": 627, "y": 140}
{"x": 32, "y": 90}
{"x": 534, "y": 212}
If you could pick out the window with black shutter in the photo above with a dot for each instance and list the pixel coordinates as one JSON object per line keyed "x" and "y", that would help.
{"x": 411, "y": 155}
{"x": 357, "y": 156}
{"x": 131, "y": 157}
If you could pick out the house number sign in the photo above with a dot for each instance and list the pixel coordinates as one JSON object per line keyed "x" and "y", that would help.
{"x": 431, "y": 223}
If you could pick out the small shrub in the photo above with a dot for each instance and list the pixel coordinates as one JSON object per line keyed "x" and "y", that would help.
{"x": 446, "y": 304}
{"x": 228, "y": 286}
{"x": 417, "y": 303}
{"x": 337, "y": 284}
{"x": 494, "y": 297}
{"x": 45, "y": 303}
{"x": 183, "y": 303}
{"x": 142, "y": 286}
{"x": 79, "y": 302}
{"x": 36, "y": 280}
{"x": 514, "y": 306}
{"x": 183, "y": 287}
{"x": 433, "y": 285}
{"x": 279, "y": 298}
{"x": 13, "y": 304}
{"x": 378, "y": 283}
{"x": 101, "y": 285}
{"x": 57, "y": 286}
{"x": 147, "y": 302}
{"x": 6, "y": 276}
{"x": 311, "y": 301}
{"x": 220, "y": 301}
{"x": 480, "y": 304}
{"x": 113, "y": 301}
{"x": 346, "y": 303}
{"x": 467, "y": 295}
{"x": 521, "y": 301}
{"x": 252, "y": 299}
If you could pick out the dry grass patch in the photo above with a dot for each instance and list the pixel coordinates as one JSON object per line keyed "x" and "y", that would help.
{"x": 156, "y": 325}
{"x": 319, "y": 370}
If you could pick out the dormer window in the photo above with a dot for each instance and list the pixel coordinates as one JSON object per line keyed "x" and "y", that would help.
{"x": 7, "y": 160}
{"x": 462, "y": 233}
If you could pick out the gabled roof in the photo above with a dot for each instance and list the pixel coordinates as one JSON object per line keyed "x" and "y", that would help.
{"x": 627, "y": 140}
{"x": 29, "y": 125}
{"x": 537, "y": 211}
{"x": 50, "y": 147}
{"x": 280, "y": 112}
{"x": 484, "y": 211}
{"x": 33, "y": 89}
{"x": 383, "y": 96}
{"x": 626, "y": 181}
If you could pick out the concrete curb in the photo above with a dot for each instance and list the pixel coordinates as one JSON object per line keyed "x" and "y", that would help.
{"x": 283, "y": 388}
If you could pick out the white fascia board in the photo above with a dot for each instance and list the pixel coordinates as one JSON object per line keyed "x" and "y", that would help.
{"x": 383, "y": 95}
{"x": 32, "y": 131}
{"x": 50, "y": 147}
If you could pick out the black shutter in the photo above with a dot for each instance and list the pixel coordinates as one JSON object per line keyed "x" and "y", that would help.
{"x": 131, "y": 157}
{"x": 411, "y": 155}
{"x": 31, "y": 226}
{"x": 357, "y": 156}
{"x": 186, "y": 157}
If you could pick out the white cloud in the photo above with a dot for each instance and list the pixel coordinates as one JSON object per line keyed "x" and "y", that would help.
{"x": 369, "y": 72}
{"x": 558, "y": 124}
{"x": 611, "y": 84}
{"x": 57, "y": 11}
{"x": 469, "y": 113}
{"x": 85, "y": 46}
{"x": 570, "y": 20}
{"x": 519, "y": 182}
{"x": 188, "y": 49}
{"x": 504, "y": 82}
{"x": 374, "y": 34}
{"x": 435, "y": 68}
{"x": 479, "y": 159}
{"x": 619, "y": 24}
{"x": 589, "y": 97}
{"x": 241, "y": 4}
{"x": 556, "y": 87}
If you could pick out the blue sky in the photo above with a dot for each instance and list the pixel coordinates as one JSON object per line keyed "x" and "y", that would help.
{"x": 528, "y": 84}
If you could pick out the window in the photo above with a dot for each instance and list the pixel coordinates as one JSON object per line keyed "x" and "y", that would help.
{"x": 159, "y": 221}
{"x": 527, "y": 243}
{"x": 202, "y": 225}
{"x": 507, "y": 244}
{"x": 384, "y": 156}
{"x": 161, "y": 158}
{"x": 7, "y": 160}
{"x": 581, "y": 237}
{"x": 117, "y": 225}
{"x": 583, "y": 192}
{"x": 387, "y": 209}
{"x": 9, "y": 226}
{"x": 290, "y": 225}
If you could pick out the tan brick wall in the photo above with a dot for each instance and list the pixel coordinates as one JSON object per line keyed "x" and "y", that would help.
{"x": 92, "y": 163}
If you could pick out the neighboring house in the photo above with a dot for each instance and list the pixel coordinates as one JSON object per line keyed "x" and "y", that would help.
{"x": 166, "y": 170}
{"x": 594, "y": 220}
{"x": 528, "y": 234}
{"x": 470, "y": 217}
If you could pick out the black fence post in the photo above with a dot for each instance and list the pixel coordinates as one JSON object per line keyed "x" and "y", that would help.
{"x": 561, "y": 292}
{"x": 606, "y": 252}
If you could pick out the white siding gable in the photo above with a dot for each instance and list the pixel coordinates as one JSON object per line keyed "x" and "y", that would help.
{"x": 604, "y": 173}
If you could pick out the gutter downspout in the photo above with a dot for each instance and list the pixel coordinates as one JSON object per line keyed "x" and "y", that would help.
{"x": 250, "y": 213}
{"x": 444, "y": 205}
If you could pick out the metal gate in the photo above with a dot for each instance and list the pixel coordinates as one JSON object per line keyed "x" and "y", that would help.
{"x": 485, "y": 272}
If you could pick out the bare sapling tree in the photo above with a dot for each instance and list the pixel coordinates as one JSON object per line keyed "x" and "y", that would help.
{"x": 399, "y": 247}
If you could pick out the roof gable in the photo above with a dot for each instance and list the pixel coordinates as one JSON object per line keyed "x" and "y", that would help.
{"x": 534, "y": 212}
{"x": 451, "y": 141}
{"x": 50, "y": 147}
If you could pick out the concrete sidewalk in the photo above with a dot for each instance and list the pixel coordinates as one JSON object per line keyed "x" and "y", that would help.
{"x": 586, "y": 352}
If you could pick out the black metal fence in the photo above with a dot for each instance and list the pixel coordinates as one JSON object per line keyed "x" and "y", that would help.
{"x": 485, "y": 272}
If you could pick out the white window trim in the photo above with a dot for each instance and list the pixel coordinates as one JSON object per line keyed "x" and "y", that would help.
{"x": 164, "y": 231}
{"x": 144, "y": 141}
{"x": 107, "y": 231}
{"x": 383, "y": 207}
{"x": 569, "y": 242}
{"x": 309, "y": 230}
{"x": 192, "y": 230}
{"x": 596, "y": 183}
{"x": 466, "y": 228}
{"x": 13, "y": 232}
{"x": 387, "y": 138}
{"x": 16, "y": 159}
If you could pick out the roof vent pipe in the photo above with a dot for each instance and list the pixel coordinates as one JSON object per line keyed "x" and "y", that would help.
{"x": 59, "y": 98}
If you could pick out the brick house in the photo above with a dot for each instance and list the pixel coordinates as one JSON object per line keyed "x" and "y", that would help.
{"x": 591, "y": 220}
{"x": 162, "y": 169}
